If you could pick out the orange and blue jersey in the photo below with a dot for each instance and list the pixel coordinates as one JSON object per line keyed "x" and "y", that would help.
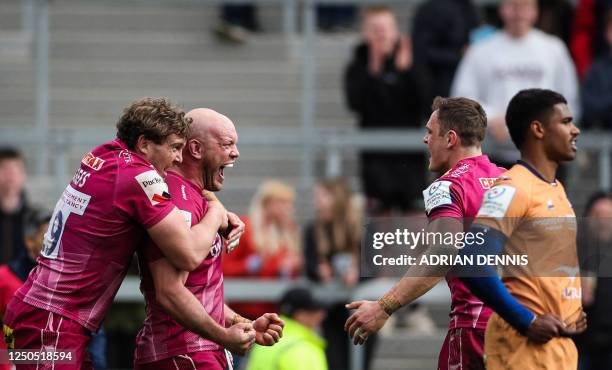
{"x": 533, "y": 217}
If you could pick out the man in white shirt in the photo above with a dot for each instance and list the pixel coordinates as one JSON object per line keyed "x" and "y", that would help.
{"x": 516, "y": 58}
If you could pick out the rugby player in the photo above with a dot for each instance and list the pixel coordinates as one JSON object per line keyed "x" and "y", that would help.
{"x": 117, "y": 196}
{"x": 537, "y": 306}
{"x": 455, "y": 132}
{"x": 187, "y": 325}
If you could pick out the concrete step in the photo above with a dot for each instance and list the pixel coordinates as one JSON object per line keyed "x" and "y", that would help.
{"x": 404, "y": 350}
{"x": 169, "y": 16}
{"x": 10, "y": 15}
{"x": 98, "y": 107}
{"x": 286, "y": 76}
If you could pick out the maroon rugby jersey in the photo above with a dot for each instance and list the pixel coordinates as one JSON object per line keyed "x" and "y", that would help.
{"x": 96, "y": 225}
{"x": 161, "y": 337}
{"x": 458, "y": 193}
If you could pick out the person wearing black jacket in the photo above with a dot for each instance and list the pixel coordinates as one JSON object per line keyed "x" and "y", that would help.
{"x": 595, "y": 253}
{"x": 386, "y": 91}
{"x": 13, "y": 205}
{"x": 441, "y": 33}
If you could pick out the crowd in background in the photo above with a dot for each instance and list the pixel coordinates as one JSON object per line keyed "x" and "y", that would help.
{"x": 389, "y": 82}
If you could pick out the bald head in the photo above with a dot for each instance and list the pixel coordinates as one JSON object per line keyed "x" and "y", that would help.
{"x": 211, "y": 146}
{"x": 206, "y": 120}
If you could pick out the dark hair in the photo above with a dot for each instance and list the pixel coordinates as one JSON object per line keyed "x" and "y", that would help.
{"x": 9, "y": 153}
{"x": 462, "y": 115}
{"x": 155, "y": 118}
{"x": 528, "y": 106}
{"x": 378, "y": 9}
{"x": 34, "y": 219}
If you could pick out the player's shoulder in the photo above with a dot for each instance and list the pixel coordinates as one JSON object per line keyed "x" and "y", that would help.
{"x": 439, "y": 193}
{"x": 115, "y": 154}
{"x": 511, "y": 188}
{"x": 517, "y": 176}
{"x": 174, "y": 179}
{"x": 469, "y": 169}
{"x": 182, "y": 188}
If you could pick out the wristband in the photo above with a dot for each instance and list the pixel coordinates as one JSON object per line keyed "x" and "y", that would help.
{"x": 389, "y": 303}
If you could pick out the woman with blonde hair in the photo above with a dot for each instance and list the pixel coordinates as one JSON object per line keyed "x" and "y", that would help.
{"x": 333, "y": 238}
{"x": 270, "y": 246}
{"x": 331, "y": 249}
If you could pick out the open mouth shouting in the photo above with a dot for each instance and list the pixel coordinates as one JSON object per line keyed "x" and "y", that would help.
{"x": 222, "y": 168}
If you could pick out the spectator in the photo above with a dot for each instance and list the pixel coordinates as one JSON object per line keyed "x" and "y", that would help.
{"x": 587, "y": 38}
{"x": 385, "y": 91}
{"x": 597, "y": 88}
{"x": 236, "y": 21}
{"x": 16, "y": 272}
{"x": 12, "y": 275}
{"x": 331, "y": 250}
{"x": 13, "y": 204}
{"x": 516, "y": 58}
{"x": 301, "y": 348}
{"x": 441, "y": 34}
{"x": 595, "y": 251}
{"x": 332, "y": 239}
{"x": 270, "y": 246}
{"x": 555, "y": 18}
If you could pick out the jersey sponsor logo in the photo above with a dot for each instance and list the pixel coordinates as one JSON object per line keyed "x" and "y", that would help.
{"x": 80, "y": 177}
{"x": 125, "y": 155}
{"x": 496, "y": 201}
{"x": 183, "y": 192}
{"x": 71, "y": 202}
{"x": 571, "y": 271}
{"x": 161, "y": 198}
{"x": 460, "y": 170}
{"x": 437, "y": 194}
{"x": 217, "y": 246}
{"x": 92, "y": 161}
{"x": 154, "y": 187}
{"x": 572, "y": 293}
{"x": 487, "y": 182}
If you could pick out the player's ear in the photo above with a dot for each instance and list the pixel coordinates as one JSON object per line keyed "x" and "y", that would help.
{"x": 195, "y": 148}
{"x": 537, "y": 128}
{"x": 452, "y": 138}
{"x": 143, "y": 145}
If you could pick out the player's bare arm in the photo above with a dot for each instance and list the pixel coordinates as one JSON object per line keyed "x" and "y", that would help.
{"x": 371, "y": 316}
{"x": 186, "y": 248}
{"x": 184, "y": 307}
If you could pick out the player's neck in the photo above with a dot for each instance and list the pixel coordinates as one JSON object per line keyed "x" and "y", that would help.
{"x": 544, "y": 166}
{"x": 192, "y": 173}
{"x": 463, "y": 153}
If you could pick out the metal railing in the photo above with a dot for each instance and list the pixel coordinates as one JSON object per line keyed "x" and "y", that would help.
{"x": 55, "y": 143}
{"x": 266, "y": 290}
